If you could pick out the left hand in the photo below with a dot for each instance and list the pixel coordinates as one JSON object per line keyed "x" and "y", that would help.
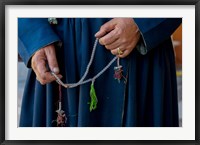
{"x": 119, "y": 34}
{"x": 39, "y": 61}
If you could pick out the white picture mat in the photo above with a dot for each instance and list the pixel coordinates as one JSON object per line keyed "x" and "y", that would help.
{"x": 186, "y": 132}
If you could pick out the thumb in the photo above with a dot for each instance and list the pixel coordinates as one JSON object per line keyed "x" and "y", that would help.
{"x": 51, "y": 58}
{"x": 107, "y": 27}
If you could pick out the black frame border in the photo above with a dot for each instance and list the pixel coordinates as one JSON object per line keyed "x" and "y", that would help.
{"x": 3, "y": 4}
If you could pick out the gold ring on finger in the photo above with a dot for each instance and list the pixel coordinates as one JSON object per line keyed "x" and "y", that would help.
{"x": 119, "y": 51}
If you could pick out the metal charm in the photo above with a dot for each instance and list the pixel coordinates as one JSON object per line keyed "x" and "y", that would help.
{"x": 61, "y": 117}
{"x": 118, "y": 73}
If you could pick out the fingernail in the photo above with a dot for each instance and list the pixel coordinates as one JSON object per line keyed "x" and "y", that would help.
{"x": 96, "y": 35}
{"x": 56, "y": 70}
{"x": 101, "y": 42}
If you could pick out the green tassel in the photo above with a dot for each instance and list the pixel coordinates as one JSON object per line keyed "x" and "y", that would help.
{"x": 93, "y": 103}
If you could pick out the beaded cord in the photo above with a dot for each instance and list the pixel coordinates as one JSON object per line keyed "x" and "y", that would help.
{"x": 93, "y": 102}
{"x": 81, "y": 81}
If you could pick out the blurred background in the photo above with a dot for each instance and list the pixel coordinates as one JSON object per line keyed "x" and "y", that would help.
{"x": 177, "y": 42}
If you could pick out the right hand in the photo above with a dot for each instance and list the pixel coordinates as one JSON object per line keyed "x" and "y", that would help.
{"x": 38, "y": 63}
{"x": 119, "y": 34}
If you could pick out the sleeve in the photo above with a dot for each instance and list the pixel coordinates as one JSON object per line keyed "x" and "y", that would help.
{"x": 154, "y": 31}
{"x": 33, "y": 34}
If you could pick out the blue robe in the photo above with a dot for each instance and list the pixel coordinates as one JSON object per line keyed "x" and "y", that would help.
{"x": 147, "y": 99}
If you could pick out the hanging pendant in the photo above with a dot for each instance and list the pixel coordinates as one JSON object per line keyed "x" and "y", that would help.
{"x": 118, "y": 73}
{"x": 61, "y": 119}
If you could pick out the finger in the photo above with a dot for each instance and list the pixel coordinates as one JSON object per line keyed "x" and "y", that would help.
{"x": 125, "y": 54}
{"x": 115, "y": 51}
{"x": 109, "y": 38}
{"x": 37, "y": 58}
{"x": 114, "y": 45}
{"x": 50, "y": 78}
{"x": 107, "y": 27}
{"x": 43, "y": 82}
{"x": 51, "y": 58}
{"x": 42, "y": 73}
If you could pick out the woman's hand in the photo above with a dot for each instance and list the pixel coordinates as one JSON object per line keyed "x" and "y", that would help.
{"x": 119, "y": 35}
{"x": 39, "y": 64}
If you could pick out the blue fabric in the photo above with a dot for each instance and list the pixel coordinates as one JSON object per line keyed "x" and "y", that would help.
{"x": 156, "y": 30}
{"x": 33, "y": 34}
{"x": 148, "y": 98}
